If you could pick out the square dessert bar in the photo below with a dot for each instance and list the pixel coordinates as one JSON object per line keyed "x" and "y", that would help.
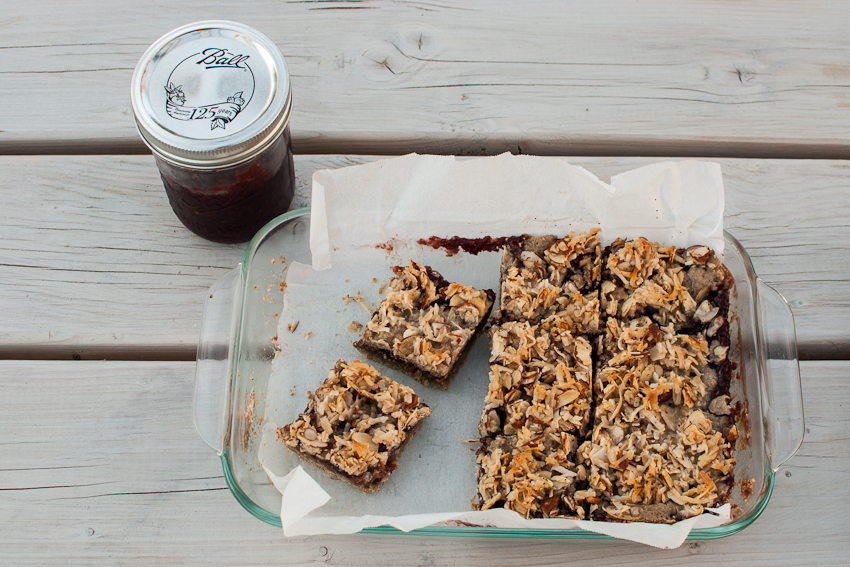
{"x": 688, "y": 288}
{"x": 545, "y": 275}
{"x": 536, "y": 412}
{"x": 425, "y": 326}
{"x": 356, "y": 425}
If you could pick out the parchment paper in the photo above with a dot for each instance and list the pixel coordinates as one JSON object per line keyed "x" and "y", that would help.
{"x": 399, "y": 201}
{"x": 677, "y": 203}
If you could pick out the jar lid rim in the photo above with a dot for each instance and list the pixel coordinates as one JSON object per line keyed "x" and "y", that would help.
{"x": 208, "y": 60}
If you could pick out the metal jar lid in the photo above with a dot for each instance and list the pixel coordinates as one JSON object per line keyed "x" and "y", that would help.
{"x": 211, "y": 94}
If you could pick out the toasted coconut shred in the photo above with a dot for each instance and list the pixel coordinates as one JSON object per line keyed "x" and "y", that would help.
{"x": 631, "y": 428}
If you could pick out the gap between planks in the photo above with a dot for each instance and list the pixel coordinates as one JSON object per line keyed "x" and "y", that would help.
{"x": 164, "y": 353}
{"x": 834, "y": 351}
{"x": 477, "y": 146}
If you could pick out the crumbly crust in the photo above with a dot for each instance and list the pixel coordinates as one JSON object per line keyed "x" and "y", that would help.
{"x": 658, "y": 443}
{"x": 425, "y": 325}
{"x": 356, "y": 425}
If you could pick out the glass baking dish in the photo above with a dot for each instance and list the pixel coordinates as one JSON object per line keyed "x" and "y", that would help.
{"x": 236, "y": 350}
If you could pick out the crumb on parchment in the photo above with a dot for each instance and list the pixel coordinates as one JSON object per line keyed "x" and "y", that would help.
{"x": 382, "y": 288}
{"x": 359, "y": 298}
{"x": 292, "y": 326}
{"x": 355, "y": 326}
{"x": 308, "y": 335}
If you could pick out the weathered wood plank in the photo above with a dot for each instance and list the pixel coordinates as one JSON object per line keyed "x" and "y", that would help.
{"x": 754, "y": 79}
{"x": 94, "y": 264}
{"x": 100, "y": 465}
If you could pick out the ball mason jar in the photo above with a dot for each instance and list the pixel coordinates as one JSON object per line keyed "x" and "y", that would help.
{"x": 212, "y": 101}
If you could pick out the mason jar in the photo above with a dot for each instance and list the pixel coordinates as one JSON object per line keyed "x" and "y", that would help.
{"x": 212, "y": 101}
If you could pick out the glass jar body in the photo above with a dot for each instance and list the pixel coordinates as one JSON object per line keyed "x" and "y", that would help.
{"x": 229, "y": 205}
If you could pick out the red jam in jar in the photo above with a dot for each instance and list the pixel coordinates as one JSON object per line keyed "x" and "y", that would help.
{"x": 212, "y": 101}
{"x": 230, "y": 205}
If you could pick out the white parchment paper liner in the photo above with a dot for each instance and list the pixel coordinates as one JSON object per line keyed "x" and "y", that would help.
{"x": 400, "y": 200}
{"x": 410, "y": 197}
{"x": 302, "y": 495}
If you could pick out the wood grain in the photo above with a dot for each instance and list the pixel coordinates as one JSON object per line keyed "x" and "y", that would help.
{"x": 100, "y": 465}
{"x": 94, "y": 264}
{"x": 753, "y": 79}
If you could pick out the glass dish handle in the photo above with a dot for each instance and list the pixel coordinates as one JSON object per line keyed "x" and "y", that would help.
{"x": 215, "y": 359}
{"x": 782, "y": 394}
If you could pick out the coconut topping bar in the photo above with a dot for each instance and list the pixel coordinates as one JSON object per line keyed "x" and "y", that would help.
{"x": 687, "y": 288}
{"x": 539, "y": 377}
{"x": 356, "y": 425}
{"x": 544, "y": 275}
{"x": 534, "y": 480}
{"x": 661, "y": 445}
{"x": 425, "y": 325}
{"x": 536, "y": 411}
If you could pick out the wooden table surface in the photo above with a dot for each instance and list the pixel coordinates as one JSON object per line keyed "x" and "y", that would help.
{"x": 102, "y": 289}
